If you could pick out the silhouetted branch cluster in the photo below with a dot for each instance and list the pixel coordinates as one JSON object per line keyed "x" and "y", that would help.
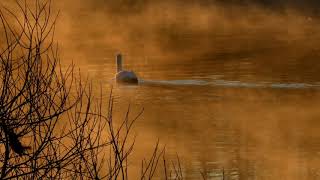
{"x": 47, "y": 126}
{"x": 51, "y": 124}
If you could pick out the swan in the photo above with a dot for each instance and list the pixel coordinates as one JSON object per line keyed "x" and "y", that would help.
{"x": 122, "y": 76}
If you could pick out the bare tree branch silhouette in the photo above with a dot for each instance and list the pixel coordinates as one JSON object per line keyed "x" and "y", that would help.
{"x": 51, "y": 124}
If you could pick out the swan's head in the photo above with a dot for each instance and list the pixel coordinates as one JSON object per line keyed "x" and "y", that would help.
{"x": 119, "y": 62}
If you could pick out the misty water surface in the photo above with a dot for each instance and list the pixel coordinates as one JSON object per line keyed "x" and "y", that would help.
{"x": 255, "y": 119}
{"x": 233, "y": 88}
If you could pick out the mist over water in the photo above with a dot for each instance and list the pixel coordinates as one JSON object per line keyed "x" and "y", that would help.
{"x": 188, "y": 29}
{"x": 225, "y": 84}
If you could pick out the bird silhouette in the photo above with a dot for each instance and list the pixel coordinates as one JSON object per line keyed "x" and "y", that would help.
{"x": 14, "y": 142}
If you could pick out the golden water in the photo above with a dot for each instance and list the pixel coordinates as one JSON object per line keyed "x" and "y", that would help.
{"x": 255, "y": 119}
{"x": 233, "y": 88}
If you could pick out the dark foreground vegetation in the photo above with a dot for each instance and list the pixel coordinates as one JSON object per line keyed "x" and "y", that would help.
{"x": 52, "y": 125}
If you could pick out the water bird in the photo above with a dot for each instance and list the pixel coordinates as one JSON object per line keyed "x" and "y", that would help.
{"x": 14, "y": 141}
{"x": 122, "y": 76}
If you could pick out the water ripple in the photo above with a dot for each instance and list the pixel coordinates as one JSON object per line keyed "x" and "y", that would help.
{"x": 227, "y": 83}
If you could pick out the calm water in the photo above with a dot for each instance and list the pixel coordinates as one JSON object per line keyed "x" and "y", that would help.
{"x": 224, "y": 89}
{"x": 256, "y": 117}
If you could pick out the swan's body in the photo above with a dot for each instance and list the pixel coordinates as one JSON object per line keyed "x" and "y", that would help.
{"x": 124, "y": 76}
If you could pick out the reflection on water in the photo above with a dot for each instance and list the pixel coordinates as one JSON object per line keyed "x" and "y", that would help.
{"x": 251, "y": 123}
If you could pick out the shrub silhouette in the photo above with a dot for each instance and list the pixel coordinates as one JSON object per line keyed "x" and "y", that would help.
{"x": 52, "y": 126}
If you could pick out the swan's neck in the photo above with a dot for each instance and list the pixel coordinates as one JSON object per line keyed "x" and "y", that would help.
{"x": 119, "y": 62}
